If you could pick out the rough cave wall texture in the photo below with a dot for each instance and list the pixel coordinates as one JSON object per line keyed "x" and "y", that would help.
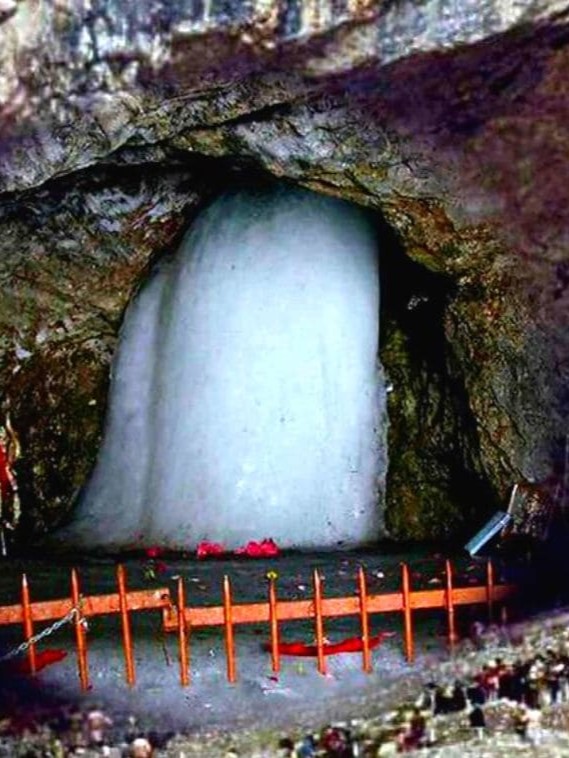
{"x": 452, "y": 124}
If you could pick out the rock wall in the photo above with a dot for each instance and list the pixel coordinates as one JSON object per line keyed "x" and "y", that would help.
{"x": 450, "y": 124}
{"x": 72, "y": 255}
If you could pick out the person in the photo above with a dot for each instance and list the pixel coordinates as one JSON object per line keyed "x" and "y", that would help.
{"x": 97, "y": 724}
{"x": 477, "y": 720}
{"x": 141, "y": 748}
{"x": 476, "y": 693}
{"x": 336, "y": 741}
{"x": 521, "y": 721}
{"x": 9, "y": 498}
{"x": 553, "y": 671}
{"x": 417, "y": 729}
{"x": 458, "y": 697}
{"x": 426, "y": 700}
{"x": 534, "y": 727}
{"x": 507, "y": 683}
{"x": 413, "y": 734}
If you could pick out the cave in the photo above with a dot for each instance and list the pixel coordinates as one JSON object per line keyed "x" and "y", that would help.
{"x": 439, "y": 494}
{"x": 437, "y": 135}
{"x": 97, "y": 189}
{"x": 428, "y": 475}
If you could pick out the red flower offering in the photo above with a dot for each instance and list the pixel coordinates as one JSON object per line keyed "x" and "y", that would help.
{"x": 265, "y": 549}
{"x": 154, "y": 552}
{"x": 205, "y": 549}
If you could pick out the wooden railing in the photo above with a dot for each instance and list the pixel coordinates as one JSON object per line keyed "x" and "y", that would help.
{"x": 179, "y": 618}
{"x": 122, "y": 602}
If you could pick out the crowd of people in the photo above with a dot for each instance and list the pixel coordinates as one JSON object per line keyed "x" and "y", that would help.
{"x": 519, "y": 687}
{"x": 72, "y": 731}
{"x": 525, "y": 686}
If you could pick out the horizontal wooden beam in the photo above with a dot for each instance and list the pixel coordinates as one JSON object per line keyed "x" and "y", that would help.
{"x": 290, "y": 610}
{"x": 251, "y": 613}
{"x": 91, "y": 605}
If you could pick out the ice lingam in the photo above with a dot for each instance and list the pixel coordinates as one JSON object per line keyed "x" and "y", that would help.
{"x": 246, "y": 399}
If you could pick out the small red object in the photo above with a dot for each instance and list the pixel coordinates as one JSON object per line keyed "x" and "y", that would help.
{"x": 154, "y": 552}
{"x": 267, "y": 548}
{"x": 44, "y": 658}
{"x": 7, "y": 481}
{"x": 349, "y": 645}
{"x": 206, "y": 549}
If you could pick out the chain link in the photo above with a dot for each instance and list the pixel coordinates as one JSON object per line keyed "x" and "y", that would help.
{"x": 44, "y": 633}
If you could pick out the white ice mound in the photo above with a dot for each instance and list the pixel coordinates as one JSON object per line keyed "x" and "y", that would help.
{"x": 247, "y": 399}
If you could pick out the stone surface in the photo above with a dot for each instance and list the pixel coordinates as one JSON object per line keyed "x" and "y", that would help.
{"x": 451, "y": 123}
{"x": 71, "y": 261}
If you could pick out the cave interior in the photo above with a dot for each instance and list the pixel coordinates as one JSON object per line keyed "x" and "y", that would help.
{"x": 435, "y": 489}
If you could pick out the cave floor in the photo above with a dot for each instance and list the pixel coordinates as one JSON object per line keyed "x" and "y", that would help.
{"x": 298, "y": 695}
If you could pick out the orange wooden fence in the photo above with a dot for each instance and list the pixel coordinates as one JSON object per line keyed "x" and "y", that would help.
{"x": 180, "y": 618}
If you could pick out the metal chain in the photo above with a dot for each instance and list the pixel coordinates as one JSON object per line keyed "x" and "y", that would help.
{"x": 44, "y": 633}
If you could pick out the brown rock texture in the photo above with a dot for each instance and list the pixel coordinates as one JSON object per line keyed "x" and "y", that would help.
{"x": 117, "y": 120}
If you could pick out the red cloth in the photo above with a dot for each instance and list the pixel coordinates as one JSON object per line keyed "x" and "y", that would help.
{"x": 6, "y": 479}
{"x": 43, "y": 658}
{"x": 350, "y": 645}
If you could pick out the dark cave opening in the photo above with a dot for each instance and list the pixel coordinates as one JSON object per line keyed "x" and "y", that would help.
{"x": 439, "y": 491}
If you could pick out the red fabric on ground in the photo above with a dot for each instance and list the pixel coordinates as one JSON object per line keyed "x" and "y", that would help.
{"x": 349, "y": 645}
{"x": 44, "y": 658}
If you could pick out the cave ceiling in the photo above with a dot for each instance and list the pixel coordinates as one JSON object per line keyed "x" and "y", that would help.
{"x": 118, "y": 120}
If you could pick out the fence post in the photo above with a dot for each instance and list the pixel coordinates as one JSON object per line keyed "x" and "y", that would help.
{"x": 364, "y": 619}
{"x": 229, "y": 639}
{"x": 318, "y": 621}
{"x": 183, "y": 634}
{"x": 80, "y": 633}
{"x": 274, "y": 623}
{"x": 28, "y": 623}
{"x": 490, "y": 589}
{"x": 450, "y": 605}
{"x": 126, "y": 633}
{"x": 407, "y": 618}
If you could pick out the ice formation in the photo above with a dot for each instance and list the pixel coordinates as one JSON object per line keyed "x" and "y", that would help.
{"x": 247, "y": 400}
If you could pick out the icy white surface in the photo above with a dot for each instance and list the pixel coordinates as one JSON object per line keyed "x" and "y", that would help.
{"x": 246, "y": 399}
